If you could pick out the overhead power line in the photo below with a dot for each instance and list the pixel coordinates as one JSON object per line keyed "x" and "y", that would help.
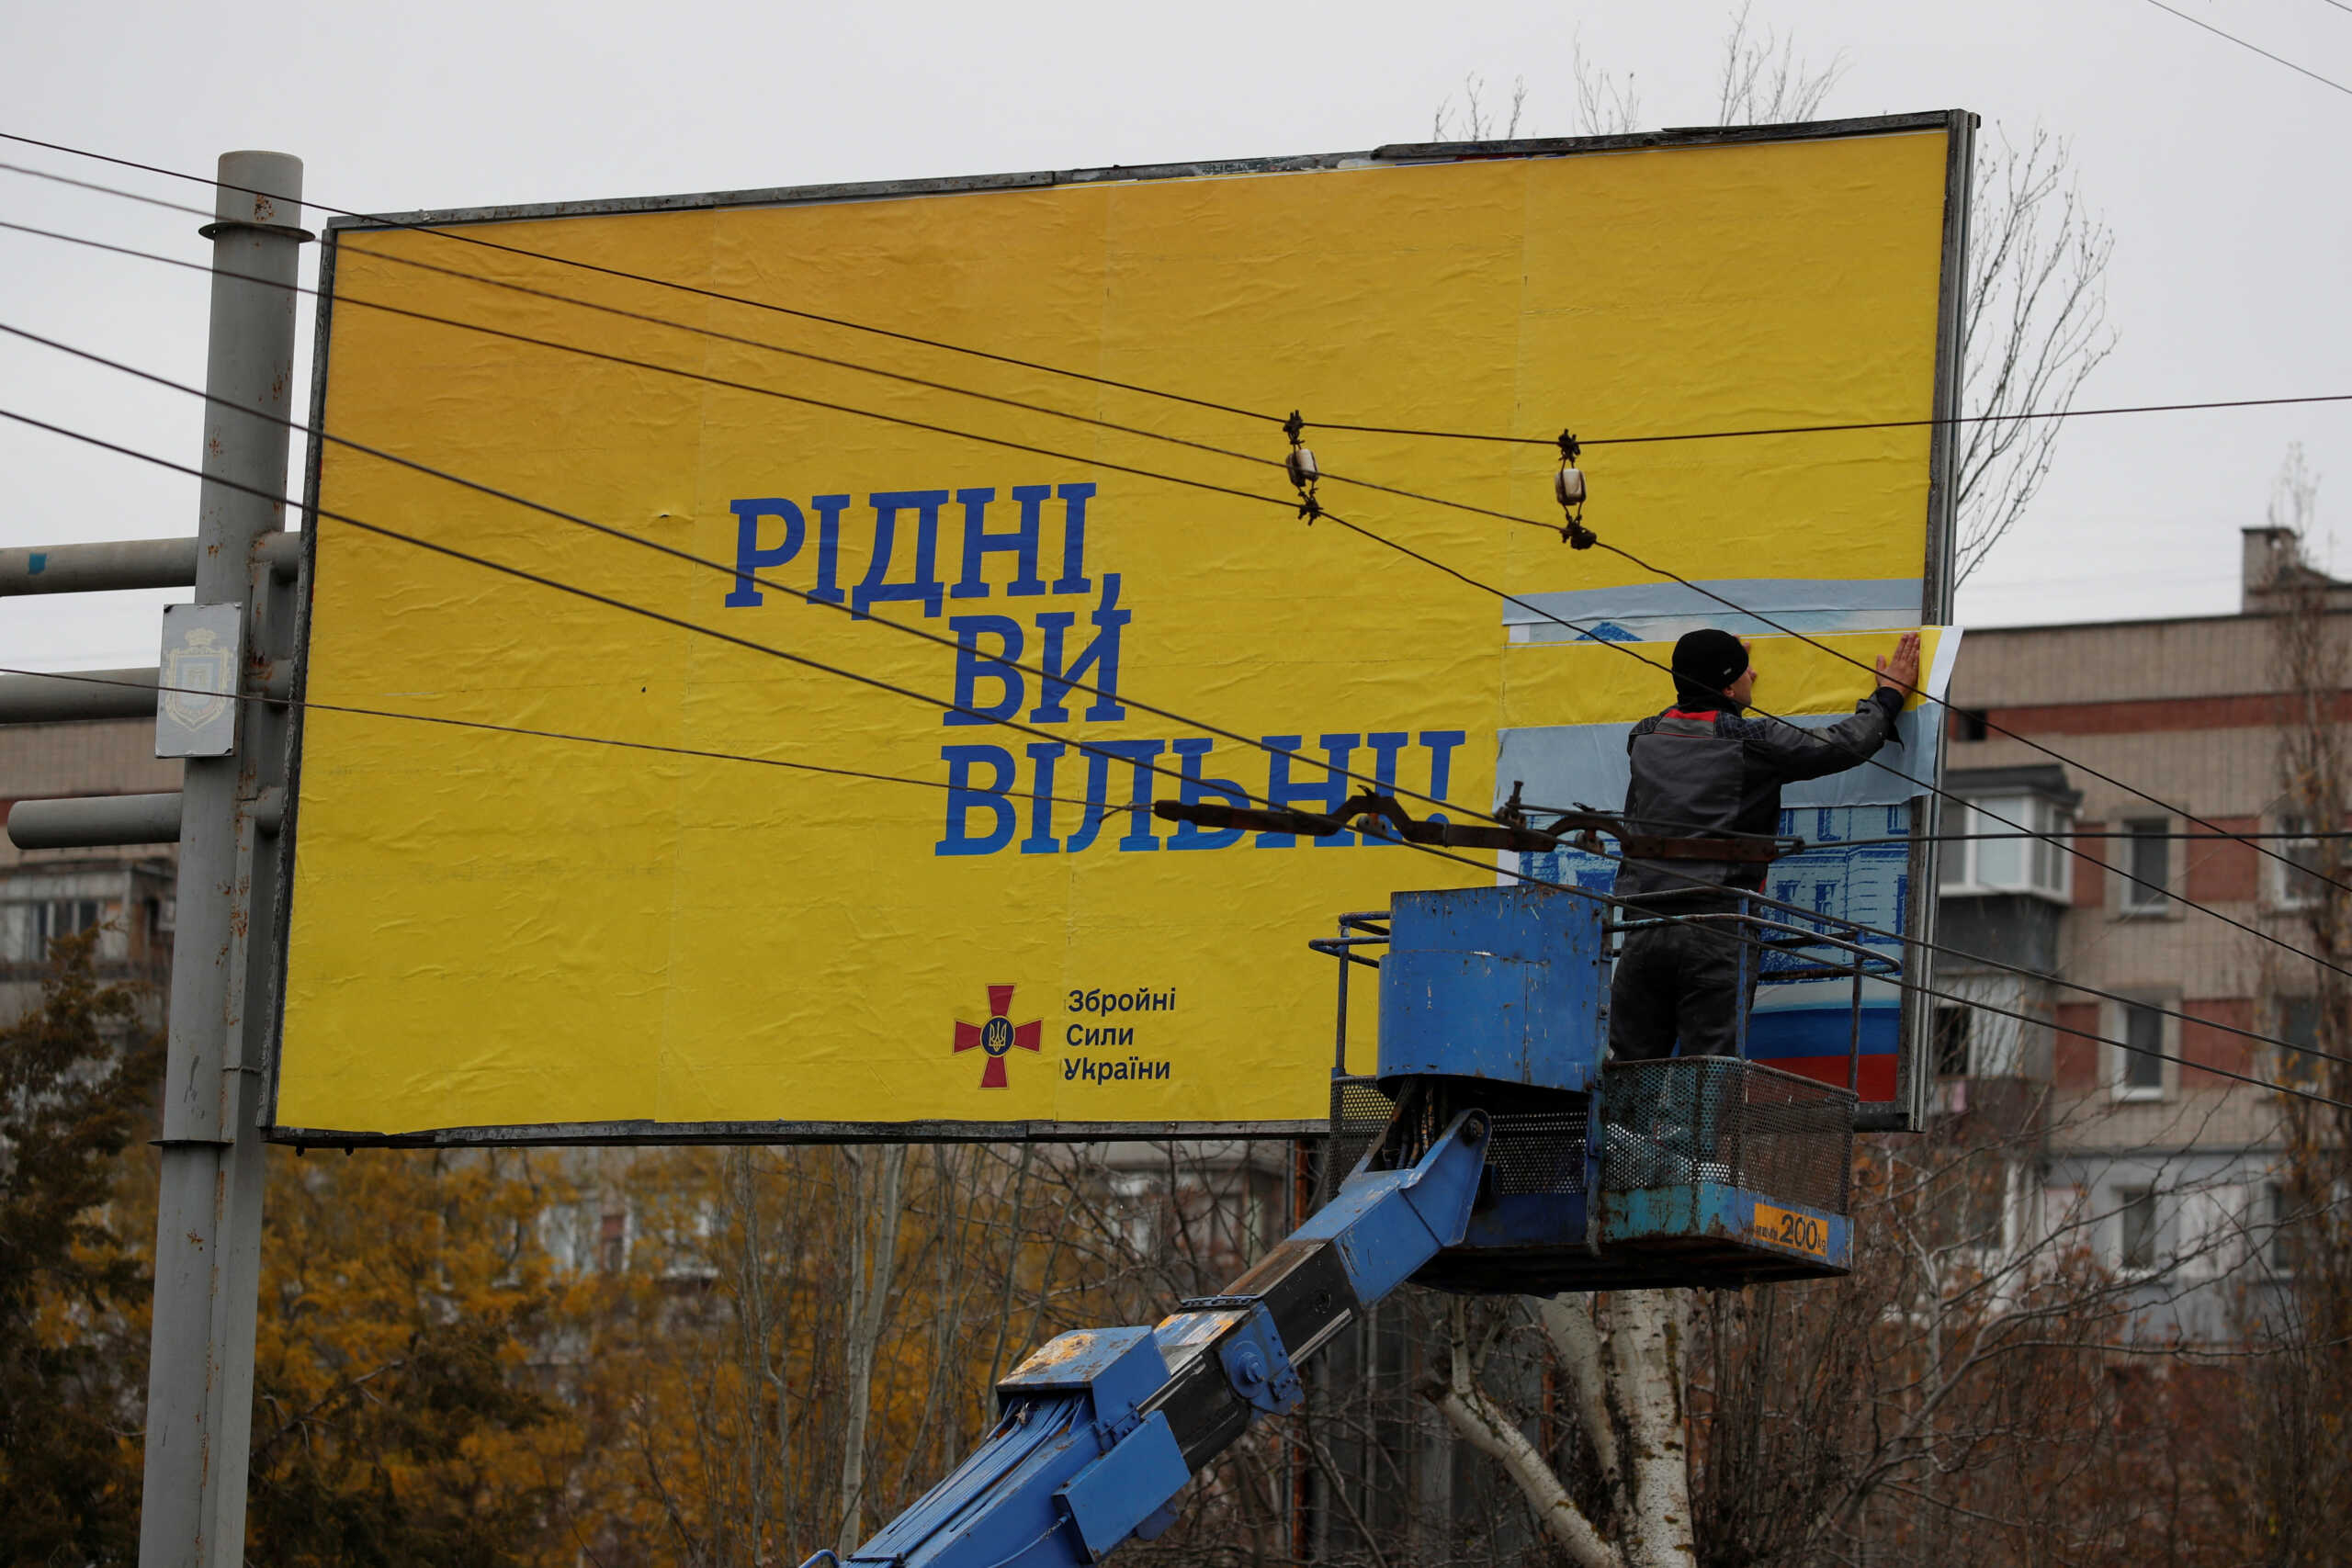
{"x": 1908, "y": 941}
{"x": 388, "y": 224}
{"x": 2232, "y": 37}
{"x": 1415, "y": 554}
{"x": 1927, "y": 991}
{"x": 695, "y": 752}
{"x": 722, "y": 568}
{"x": 1104, "y": 807}
{"x": 1923, "y": 423}
{"x": 1798, "y": 912}
{"x": 2103, "y": 833}
{"x": 2193, "y": 838}
{"x": 631, "y": 362}
{"x": 1230, "y": 490}
{"x": 2002, "y": 731}
{"x": 1258, "y": 498}
{"x": 1081, "y": 747}
{"x": 1101, "y": 807}
{"x": 395, "y": 221}
{"x": 589, "y": 595}
{"x": 1389, "y": 489}
{"x": 1737, "y": 608}
{"x": 726, "y": 569}
{"x": 1928, "y": 785}
{"x": 1225, "y": 489}
{"x": 620, "y": 312}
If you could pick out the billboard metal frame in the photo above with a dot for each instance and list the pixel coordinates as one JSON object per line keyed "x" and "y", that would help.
{"x": 1912, "y": 1091}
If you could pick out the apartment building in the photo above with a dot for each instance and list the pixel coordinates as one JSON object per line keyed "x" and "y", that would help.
{"x": 2155, "y": 1158}
{"x": 45, "y": 894}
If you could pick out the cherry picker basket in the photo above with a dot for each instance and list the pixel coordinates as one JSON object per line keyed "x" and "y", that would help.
{"x": 1669, "y": 1122}
{"x": 1701, "y": 1171}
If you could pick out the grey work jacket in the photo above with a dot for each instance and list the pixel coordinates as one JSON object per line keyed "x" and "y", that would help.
{"x": 1712, "y": 770}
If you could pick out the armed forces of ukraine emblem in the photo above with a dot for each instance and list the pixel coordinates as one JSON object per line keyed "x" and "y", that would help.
{"x": 999, "y": 1036}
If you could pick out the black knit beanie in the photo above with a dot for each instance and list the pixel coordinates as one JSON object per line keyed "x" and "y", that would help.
{"x": 1705, "y": 662}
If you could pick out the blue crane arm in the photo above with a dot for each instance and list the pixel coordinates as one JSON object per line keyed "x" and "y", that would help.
{"x": 1101, "y": 1429}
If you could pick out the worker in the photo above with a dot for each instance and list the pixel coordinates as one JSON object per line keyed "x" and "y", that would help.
{"x": 1705, "y": 768}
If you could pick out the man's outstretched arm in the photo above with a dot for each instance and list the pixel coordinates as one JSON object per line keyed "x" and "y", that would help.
{"x": 1795, "y": 753}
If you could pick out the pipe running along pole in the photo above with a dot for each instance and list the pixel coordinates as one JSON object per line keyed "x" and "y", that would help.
{"x": 207, "y": 1222}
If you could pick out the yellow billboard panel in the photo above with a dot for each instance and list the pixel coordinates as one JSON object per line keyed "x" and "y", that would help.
{"x": 797, "y": 872}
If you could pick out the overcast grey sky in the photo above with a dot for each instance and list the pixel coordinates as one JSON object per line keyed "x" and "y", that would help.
{"x": 2221, "y": 173}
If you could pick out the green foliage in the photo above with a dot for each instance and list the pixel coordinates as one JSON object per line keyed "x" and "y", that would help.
{"x": 76, "y": 1076}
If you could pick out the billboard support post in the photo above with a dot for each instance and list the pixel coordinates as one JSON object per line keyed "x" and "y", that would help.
{"x": 208, "y": 1208}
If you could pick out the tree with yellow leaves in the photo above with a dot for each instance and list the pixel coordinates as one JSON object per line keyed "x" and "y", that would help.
{"x": 397, "y": 1419}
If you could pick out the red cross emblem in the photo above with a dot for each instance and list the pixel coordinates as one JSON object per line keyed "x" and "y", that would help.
{"x": 999, "y": 1035}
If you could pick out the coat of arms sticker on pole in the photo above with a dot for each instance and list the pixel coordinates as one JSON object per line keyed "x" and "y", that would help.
{"x": 195, "y": 707}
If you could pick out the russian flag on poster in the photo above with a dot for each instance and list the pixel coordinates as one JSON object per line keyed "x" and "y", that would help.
{"x": 1804, "y": 1023}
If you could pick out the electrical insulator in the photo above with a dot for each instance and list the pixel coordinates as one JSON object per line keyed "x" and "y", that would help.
{"x": 1568, "y": 486}
{"x": 1303, "y": 473}
{"x": 1301, "y": 467}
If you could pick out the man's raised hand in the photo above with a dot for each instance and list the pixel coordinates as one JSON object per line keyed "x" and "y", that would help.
{"x": 1901, "y": 672}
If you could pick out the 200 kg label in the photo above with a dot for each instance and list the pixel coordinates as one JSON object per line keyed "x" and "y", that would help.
{"x": 1786, "y": 1228}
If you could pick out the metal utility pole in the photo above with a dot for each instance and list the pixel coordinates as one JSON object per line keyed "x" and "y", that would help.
{"x": 208, "y": 1226}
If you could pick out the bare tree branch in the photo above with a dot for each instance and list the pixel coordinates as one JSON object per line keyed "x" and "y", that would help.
{"x": 2034, "y": 326}
{"x": 1486, "y": 1428}
{"x": 1763, "y": 81}
{"x": 1476, "y": 123}
{"x": 1605, "y": 106}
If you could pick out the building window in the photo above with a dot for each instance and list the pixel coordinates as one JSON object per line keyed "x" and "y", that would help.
{"x": 2147, "y": 865}
{"x": 1968, "y": 724}
{"x": 1952, "y": 1042}
{"x": 564, "y": 1234}
{"x": 2135, "y": 1213}
{"x": 2304, "y": 876}
{"x": 1983, "y": 1208}
{"x": 2298, "y": 1024}
{"x": 612, "y": 1242}
{"x": 2284, "y": 1254}
{"x": 2010, "y": 843}
{"x": 1966, "y": 1205}
{"x": 1136, "y": 1200}
{"x": 2140, "y": 1072}
{"x": 687, "y": 1246}
{"x": 1977, "y": 1031}
{"x": 30, "y": 928}
{"x": 2207, "y": 1229}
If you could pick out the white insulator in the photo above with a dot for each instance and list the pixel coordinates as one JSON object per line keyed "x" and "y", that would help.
{"x": 1301, "y": 464}
{"x": 1568, "y": 485}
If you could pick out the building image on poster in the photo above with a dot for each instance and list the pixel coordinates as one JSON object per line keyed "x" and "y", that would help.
{"x": 876, "y": 654}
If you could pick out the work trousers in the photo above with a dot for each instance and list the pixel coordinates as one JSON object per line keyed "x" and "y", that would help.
{"x": 1680, "y": 984}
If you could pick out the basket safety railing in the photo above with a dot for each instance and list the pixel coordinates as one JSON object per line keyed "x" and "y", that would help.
{"x": 1671, "y": 1121}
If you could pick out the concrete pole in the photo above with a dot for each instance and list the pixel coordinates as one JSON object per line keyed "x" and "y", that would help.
{"x": 208, "y": 1228}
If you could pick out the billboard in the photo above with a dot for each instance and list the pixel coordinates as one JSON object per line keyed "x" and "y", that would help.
{"x": 800, "y": 873}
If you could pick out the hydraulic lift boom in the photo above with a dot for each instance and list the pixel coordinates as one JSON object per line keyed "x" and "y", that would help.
{"x": 1101, "y": 1429}
{"x": 1509, "y": 1156}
